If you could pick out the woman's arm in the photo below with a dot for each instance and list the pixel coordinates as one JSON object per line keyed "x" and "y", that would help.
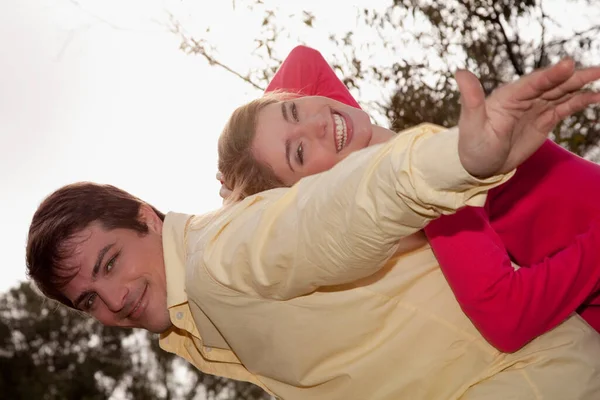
{"x": 341, "y": 225}
{"x": 511, "y": 307}
{"x": 306, "y": 72}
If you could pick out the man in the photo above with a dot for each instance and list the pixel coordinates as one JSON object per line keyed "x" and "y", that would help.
{"x": 309, "y": 304}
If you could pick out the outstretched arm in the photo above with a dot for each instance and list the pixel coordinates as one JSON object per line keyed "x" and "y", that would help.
{"x": 344, "y": 224}
{"x": 511, "y": 307}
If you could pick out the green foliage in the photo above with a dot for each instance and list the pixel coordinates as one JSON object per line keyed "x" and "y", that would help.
{"x": 497, "y": 40}
{"x": 429, "y": 40}
{"x": 50, "y": 352}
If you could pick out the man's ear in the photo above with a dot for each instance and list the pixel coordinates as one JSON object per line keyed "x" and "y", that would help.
{"x": 151, "y": 219}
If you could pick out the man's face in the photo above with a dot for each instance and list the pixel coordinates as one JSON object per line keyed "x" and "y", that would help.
{"x": 120, "y": 278}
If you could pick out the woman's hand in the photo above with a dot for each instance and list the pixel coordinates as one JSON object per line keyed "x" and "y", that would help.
{"x": 500, "y": 132}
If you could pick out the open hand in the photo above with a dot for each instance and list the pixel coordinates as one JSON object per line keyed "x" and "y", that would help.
{"x": 499, "y": 133}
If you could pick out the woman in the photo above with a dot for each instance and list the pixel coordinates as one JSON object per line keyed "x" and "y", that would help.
{"x": 305, "y": 264}
{"x": 508, "y": 308}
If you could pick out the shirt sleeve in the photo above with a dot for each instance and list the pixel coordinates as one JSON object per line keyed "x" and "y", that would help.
{"x": 305, "y": 71}
{"x": 509, "y": 306}
{"x": 343, "y": 224}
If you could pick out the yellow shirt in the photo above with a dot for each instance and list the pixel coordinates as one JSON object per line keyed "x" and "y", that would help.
{"x": 310, "y": 293}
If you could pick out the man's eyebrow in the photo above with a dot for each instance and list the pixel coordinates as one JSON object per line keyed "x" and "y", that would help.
{"x": 284, "y": 111}
{"x": 288, "y": 146}
{"x": 95, "y": 270}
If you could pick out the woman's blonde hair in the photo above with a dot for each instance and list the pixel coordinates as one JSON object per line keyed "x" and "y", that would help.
{"x": 241, "y": 171}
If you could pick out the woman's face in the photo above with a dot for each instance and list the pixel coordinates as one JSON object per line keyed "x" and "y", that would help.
{"x": 308, "y": 135}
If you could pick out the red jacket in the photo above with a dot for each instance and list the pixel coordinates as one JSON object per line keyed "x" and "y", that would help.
{"x": 306, "y": 72}
{"x": 544, "y": 217}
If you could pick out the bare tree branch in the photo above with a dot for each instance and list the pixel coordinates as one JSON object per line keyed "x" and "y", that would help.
{"x": 576, "y": 36}
{"x": 514, "y": 58}
{"x": 195, "y": 46}
{"x": 542, "y": 52}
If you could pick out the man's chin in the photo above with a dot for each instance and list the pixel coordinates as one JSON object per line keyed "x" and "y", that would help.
{"x": 157, "y": 326}
{"x": 157, "y": 329}
{"x": 165, "y": 329}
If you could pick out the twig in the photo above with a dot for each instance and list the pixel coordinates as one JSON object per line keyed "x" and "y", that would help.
{"x": 194, "y": 46}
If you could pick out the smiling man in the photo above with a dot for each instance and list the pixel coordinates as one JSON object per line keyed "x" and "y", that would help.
{"x": 324, "y": 290}
{"x": 131, "y": 297}
{"x": 348, "y": 304}
{"x": 106, "y": 254}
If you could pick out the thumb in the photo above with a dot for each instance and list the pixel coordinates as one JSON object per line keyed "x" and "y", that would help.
{"x": 472, "y": 100}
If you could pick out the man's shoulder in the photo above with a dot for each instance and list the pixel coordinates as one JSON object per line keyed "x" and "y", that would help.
{"x": 425, "y": 127}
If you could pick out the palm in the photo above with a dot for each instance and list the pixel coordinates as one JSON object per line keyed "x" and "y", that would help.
{"x": 500, "y": 132}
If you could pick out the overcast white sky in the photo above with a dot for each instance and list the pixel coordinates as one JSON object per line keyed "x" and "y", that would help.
{"x": 99, "y": 90}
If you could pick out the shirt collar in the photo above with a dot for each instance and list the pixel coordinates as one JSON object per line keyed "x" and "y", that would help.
{"x": 174, "y": 238}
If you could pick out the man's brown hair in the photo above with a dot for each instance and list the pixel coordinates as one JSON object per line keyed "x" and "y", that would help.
{"x": 65, "y": 213}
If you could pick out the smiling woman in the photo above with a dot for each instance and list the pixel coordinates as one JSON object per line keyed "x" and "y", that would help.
{"x": 280, "y": 138}
{"x": 303, "y": 136}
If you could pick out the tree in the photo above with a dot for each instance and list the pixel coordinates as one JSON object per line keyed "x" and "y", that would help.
{"x": 50, "y": 352}
{"x": 490, "y": 39}
{"x": 497, "y": 40}
{"x": 49, "y": 347}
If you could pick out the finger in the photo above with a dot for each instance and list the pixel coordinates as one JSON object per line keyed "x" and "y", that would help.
{"x": 579, "y": 79}
{"x": 575, "y": 103}
{"x": 472, "y": 100}
{"x": 473, "y": 114}
{"x": 534, "y": 85}
{"x": 471, "y": 92}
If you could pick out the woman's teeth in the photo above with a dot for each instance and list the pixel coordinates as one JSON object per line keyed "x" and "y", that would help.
{"x": 341, "y": 134}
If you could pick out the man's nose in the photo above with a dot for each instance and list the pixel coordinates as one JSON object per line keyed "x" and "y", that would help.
{"x": 114, "y": 295}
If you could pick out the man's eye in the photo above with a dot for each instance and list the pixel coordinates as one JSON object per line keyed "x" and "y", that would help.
{"x": 294, "y": 112}
{"x": 89, "y": 302}
{"x": 300, "y": 154}
{"x": 111, "y": 263}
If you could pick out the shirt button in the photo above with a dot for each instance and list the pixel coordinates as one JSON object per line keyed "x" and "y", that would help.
{"x": 179, "y": 315}
{"x": 208, "y": 349}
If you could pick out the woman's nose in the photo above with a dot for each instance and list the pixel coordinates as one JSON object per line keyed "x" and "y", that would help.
{"x": 313, "y": 127}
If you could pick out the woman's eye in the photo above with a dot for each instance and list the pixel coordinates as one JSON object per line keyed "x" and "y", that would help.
{"x": 295, "y": 112}
{"x": 300, "y": 154}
